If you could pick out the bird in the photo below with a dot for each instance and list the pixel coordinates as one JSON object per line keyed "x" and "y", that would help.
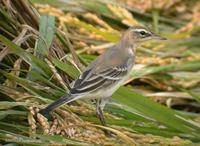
{"x": 107, "y": 72}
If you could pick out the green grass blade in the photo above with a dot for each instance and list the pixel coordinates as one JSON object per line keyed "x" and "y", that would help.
{"x": 147, "y": 70}
{"x": 40, "y": 66}
{"x": 4, "y": 113}
{"x": 39, "y": 140}
{"x": 28, "y": 85}
{"x": 131, "y": 101}
{"x": 194, "y": 95}
{"x": 66, "y": 67}
{"x": 46, "y": 30}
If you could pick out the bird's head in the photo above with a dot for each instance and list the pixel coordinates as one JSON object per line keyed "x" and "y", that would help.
{"x": 139, "y": 34}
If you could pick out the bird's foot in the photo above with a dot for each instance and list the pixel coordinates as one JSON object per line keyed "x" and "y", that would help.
{"x": 108, "y": 133}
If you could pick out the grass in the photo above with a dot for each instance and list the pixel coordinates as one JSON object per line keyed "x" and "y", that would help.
{"x": 43, "y": 50}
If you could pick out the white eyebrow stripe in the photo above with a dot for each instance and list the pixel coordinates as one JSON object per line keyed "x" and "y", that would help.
{"x": 139, "y": 30}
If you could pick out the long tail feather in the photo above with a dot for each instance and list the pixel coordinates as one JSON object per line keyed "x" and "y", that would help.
{"x": 62, "y": 100}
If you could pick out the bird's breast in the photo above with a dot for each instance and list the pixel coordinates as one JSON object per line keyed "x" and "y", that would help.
{"x": 131, "y": 51}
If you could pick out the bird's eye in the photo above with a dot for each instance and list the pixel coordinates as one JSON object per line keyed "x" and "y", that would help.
{"x": 142, "y": 32}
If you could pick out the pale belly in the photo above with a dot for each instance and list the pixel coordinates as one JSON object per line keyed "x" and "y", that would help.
{"x": 106, "y": 92}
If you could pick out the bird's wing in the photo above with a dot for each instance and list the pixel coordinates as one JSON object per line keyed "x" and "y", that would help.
{"x": 90, "y": 81}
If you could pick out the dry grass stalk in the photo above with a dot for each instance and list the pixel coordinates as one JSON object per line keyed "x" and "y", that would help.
{"x": 31, "y": 120}
{"x": 56, "y": 74}
{"x": 195, "y": 22}
{"x": 44, "y": 123}
{"x": 99, "y": 21}
{"x": 125, "y": 16}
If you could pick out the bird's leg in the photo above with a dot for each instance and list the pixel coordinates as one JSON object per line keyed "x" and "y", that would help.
{"x": 100, "y": 115}
{"x": 100, "y": 103}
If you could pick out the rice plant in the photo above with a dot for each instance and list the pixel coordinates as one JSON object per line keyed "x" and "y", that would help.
{"x": 45, "y": 45}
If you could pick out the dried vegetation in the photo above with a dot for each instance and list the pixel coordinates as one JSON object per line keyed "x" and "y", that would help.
{"x": 45, "y": 46}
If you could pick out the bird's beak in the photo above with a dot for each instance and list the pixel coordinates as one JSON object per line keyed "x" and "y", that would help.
{"x": 157, "y": 37}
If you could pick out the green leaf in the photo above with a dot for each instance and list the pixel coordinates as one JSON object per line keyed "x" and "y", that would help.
{"x": 66, "y": 67}
{"x": 40, "y": 66}
{"x": 194, "y": 95}
{"x": 147, "y": 70}
{"x": 134, "y": 102}
{"x": 6, "y": 21}
{"x": 40, "y": 139}
{"x": 46, "y": 30}
{"x": 14, "y": 126}
{"x": 5, "y": 113}
{"x": 7, "y": 104}
{"x": 44, "y": 80}
{"x": 28, "y": 85}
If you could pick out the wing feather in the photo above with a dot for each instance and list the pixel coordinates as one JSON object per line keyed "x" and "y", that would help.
{"x": 89, "y": 81}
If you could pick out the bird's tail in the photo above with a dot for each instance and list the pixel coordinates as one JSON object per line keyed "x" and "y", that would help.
{"x": 62, "y": 100}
